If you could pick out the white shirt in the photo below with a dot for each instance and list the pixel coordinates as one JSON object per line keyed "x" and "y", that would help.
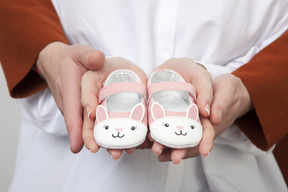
{"x": 222, "y": 35}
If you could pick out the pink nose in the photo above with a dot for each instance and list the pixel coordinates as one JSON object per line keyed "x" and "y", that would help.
{"x": 119, "y": 129}
{"x": 180, "y": 127}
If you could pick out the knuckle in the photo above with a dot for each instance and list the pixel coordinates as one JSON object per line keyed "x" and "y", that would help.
{"x": 87, "y": 129}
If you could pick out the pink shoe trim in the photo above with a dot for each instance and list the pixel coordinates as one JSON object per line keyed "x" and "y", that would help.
{"x": 123, "y": 87}
{"x": 171, "y": 86}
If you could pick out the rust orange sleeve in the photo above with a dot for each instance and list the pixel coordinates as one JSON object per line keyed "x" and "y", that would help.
{"x": 26, "y": 27}
{"x": 266, "y": 78}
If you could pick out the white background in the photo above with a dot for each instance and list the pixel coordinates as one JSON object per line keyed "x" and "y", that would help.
{"x": 9, "y": 133}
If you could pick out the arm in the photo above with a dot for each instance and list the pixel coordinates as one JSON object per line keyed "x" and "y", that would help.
{"x": 266, "y": 80}
{"x": 27, "y": 26}
{"x": 260, "y": 75}
{"x": 31, "y": 34}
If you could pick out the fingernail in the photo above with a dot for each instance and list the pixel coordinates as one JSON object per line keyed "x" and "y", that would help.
{"x": 89, "y": 111}
{"x": 207, "y": 108}
{"x": 116, "y": 158}
{"x": 157, "y": 153}
{"x": 206, "y": 155}
{"x": 93, "y": 150}
{"x": 177, "y": 163}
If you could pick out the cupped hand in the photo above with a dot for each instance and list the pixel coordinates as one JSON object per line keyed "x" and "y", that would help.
{"x": 92, "y": 82}
{"x": 177, "y": 155}
{"x": 200, "y": 78}
{"x": 63, "y": 66}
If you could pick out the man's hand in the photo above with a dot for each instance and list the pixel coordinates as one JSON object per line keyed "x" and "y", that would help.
{"x": 63, "y": 66}
{"x": 231, "y": 100}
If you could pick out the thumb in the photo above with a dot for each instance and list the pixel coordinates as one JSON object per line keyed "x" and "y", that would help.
{"x": 90, "y": 58}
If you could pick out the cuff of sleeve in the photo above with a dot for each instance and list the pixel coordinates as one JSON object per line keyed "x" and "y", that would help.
{"x": 215, "y": 70}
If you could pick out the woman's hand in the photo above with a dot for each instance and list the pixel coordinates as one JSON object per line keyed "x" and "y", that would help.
{"x": 177, "y": 155}
{"x": 231, "y": 100}
{"x": 197, "y": 75}
{"x": 63, "y": 66}
{"x": 92, "y": 82}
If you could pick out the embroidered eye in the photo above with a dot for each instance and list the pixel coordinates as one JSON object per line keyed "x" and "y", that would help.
{"x": 133, "y": 128}
{"x": 192, "y": 126}
{"x": 106, "y": 127}
{"x": 166, "y": 124}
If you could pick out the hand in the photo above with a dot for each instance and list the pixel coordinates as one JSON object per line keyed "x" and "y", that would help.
{"x": 92, "y": 82}
{"x": 177, "y": 155}
{"x": 198, "y": 76}
{"x": 231, "y": 100}
{"x": 63, "y": 67}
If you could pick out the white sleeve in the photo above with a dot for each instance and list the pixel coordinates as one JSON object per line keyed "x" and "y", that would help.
{"x": 224, "y": 68}
{"x": 233, "y": 136}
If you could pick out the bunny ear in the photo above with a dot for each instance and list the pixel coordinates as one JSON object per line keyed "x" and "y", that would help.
{"x": 157, "y": 111}
{"x": 192, "y": 112}
{"x": 101, "y": 113}
{"x": 137, "y": 113}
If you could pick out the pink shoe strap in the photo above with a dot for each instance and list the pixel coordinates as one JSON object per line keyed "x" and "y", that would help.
{"x": 171, "y": 86}
{"x": 124, "y": 87}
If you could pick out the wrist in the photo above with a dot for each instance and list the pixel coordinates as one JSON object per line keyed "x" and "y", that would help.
{"x": 246, "y": 99}
{"x": 47, "y": 56}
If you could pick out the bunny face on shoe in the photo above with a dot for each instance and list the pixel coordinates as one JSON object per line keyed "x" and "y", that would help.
{"x": 176, "y": 131}
{"x": 120, "y": 132}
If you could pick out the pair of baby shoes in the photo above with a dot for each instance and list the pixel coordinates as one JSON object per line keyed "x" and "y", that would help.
{"x": 121, "y": 116}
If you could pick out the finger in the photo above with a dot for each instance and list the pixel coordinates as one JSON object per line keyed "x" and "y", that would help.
{"x": 89, "y": 92}
{"x": 88, "y": 57}
{"x": 72, "y": 108}
{"x": 88, "y": 133}
{"x": 130, "y": 151}
{"x": 157, "y": 148}
{"x": 150, "y": 137}
{"x": 206, "y": 143}
{"x": 204, "y": 92}
{"x": 165, "y": 155}
{"x": 220, "y": 102}
{"x": 192, "y": 152}
{"x": 146, "y": 144}
{"x": 90, "y": 86}
{"x": 178, "y": 155}
{"x": 115, "y": 153}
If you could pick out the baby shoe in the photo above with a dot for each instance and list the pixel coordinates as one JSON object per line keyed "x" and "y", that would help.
{"x": 173, "y": 115}
{"x": 121, "y": 116}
